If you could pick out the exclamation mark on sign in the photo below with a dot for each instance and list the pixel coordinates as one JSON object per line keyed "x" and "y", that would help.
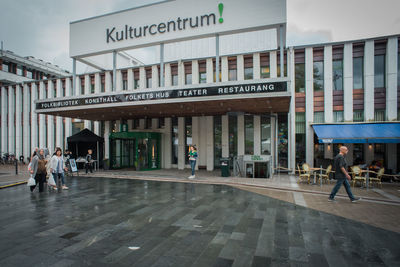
{"x": 221, "y": 9}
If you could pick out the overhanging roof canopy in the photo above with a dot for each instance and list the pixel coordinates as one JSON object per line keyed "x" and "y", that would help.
{"x": 358, "y": 133}
{"x": 85, "y": 136}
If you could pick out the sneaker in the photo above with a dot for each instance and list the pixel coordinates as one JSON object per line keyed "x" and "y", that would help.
{"x": 331, "y": 199}
{"x": 65, "y": 187}
{"x": 191, "y": 177}
{"x": 355, "y": 199}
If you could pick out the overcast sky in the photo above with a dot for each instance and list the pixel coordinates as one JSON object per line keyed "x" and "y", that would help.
{"x": 40, "y": 28}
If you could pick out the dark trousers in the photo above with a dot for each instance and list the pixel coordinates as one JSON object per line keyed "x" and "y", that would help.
{"x": 339, "y": 183}
{"x": 89, "y": 166}
{"x": 40, "y": 178}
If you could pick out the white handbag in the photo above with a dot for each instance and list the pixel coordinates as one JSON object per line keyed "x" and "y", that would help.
{"x": 31, "y": 181}
{"x": 51, "y": 181}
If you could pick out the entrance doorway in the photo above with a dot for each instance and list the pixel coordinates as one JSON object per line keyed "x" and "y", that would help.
{"x": 139, "y": 151}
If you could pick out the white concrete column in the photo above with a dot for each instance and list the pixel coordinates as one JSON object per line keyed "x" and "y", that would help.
{"x": 225, "y": 135}
{"x": 59, "y": 120}
{"x": 130, "y": 125}
{"x": 4, "y": 127}
{"x": 209, "y": 70}
{"x": 26, "y": 127}
{"x": 141, "y": 124}
{"x": 154, "y": 123}
{"x": 195, "y": 73}
{"x": 107, "y": 81}
{"x": 210, "y": 142}
{"x": 50, "y": 119}
{"x": 181, "y": 73}
{"x": 196, "y": 133}
{"x": 348, "y": 82}
{"x": 369, "y": 87}
{"x": 328, "y": 84}
{"x": 11, "y": 120}
{"x": 78, "y": 86}
{"x": 34, "y": 120}
{"x": 42, "y": 118}
{"x": 257, "y": 135}
{"x": 97, "y": 89}
{"x": 292, "y": 112}
{"x": 310, "y": 106}
{"x": 131, "y": 81}
{"x": 167, "y": 143}
{"x": 181, "y": 143}
{"x": 256, "y": 66}
{"x": 87, "y": 123}
{"x": 240, "y": 133}
{"x": 142, "y": 78}
{"x": 106, "y": 140}
{"x": 240, "y": 67}
{"x": 154, "y": 77}
{"x": 273, "y": 143}
{"x": 202, "y": 145}
{"x": 272, "y": 64}
{"x": 391, "y": 78}
{"x": 68, "y": 121}
{"x": 224, "y": 69}
{"x": 18, "y": 121}
{"x": 391, "y": 155}
{"x": 118, "y": 125}
{"x": 119, "y": 81}
{"x": 168, "y": 76}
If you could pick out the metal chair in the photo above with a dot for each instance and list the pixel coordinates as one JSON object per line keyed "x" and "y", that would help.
{"x": 357, "y": 176}
{"x": 378, "y": 178}
{"x": 304, "y": 174}
{"x": 325, "y": 176}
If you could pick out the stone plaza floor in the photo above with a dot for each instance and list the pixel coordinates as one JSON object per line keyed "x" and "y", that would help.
{"x": 129, "y": 222}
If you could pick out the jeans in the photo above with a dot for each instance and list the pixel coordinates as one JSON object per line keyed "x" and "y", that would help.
{"x": 59, "y": 175}
{"x": 339, "y": 183}
{"x": 193, "y": 165}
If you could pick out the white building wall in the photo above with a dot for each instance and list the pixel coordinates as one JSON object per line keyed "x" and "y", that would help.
{"x": 168, "y": 76}
{"x": 309, "y": 105}
{"x": 256, "y": 66}
{"x": 26, "y": 127}
{"x": 154, "y": 77}
{"x": 87, "y": 123}
{"x": 34, "y": 120}
{"x": 42, "y": 118}
{"x": 11, "y": 120}
{"x": 18, "y": 121}
{"x": 118, "y": 82}
{"x": 348, "y": 82}
{"x": 391, "y": 78}
{"x": 210, "y": 142}
{"x": 272, "y": 64}
{"x": 240, "y": 67}
{"x": 181, "y": 73}
{"x": 130, "y": 78}
{"x": 369, "y": 71}
{"x": 328, "y": 90}
{"x": 142, "y": 78}
{"x": 97, "y": 89}
{"x": 59, "y": 120}
{"x": 224, "y": 69}
{"x": 108, "y": 81}
{"x": 195, "y": 72}
{"x": 68, "y": 121}
{"x": 4, "y": 114}
{"x": 209, "y": 70}
{"x": 50, "y": 119}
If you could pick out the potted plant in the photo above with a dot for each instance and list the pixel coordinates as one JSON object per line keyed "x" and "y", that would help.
{"x": 106, "y": 164}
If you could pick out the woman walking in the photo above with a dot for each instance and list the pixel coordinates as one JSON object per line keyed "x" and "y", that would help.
{"x": 192, "y": 159}
{"x": 57, "y": 167}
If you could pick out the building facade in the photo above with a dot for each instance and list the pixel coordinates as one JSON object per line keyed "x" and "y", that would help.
{"x": 346, "y": 82}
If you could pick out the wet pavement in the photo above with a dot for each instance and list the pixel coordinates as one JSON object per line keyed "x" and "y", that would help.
{"x": 124, "y": 222}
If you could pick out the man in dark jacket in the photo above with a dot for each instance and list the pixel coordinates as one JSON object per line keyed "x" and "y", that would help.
{"x": 341, "y": 175}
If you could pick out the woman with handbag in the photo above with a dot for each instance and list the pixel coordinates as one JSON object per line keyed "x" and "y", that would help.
{"x": 57, "y": 168}
{"x": 38, "y": 170}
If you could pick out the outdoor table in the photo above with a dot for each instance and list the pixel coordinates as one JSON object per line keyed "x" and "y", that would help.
{"x": 314, "y": 171}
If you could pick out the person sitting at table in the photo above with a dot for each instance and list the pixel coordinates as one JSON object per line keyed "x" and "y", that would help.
{"x": 89, "y": 161}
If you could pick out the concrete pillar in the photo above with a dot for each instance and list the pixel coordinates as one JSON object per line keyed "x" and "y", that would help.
{"x": 130, "y": 125}
{"x": 240, "y": 67}
{"x": 224, "y": 69}
{"x": 369, "y": 71}
{"x": 107, "y": 82}
{"x": 4, "y": 128}
{"x": 328, "y": 84}
{"x": 272, "y": 64}
{"x": 257, "y": 135}
{"x": 154, "y": 77}
{"x": 195, "y": 73}
{"x": 130, "y": 77}
{"x": 118, "y": 125}
{"x": 225, "y": 135}
{"x": 240, "y": 133}
{"x": 18, "y": 121}
{"x": 310, "y": 106}
{"x": 141, "y": 124}
{"x": 256, "y": 66}
{"x": 273, "y": 142}
{"x": 167, "y": 144}
{"x": 196, "y": 133}
{"x": 181, "y": 73}
{"x": 168, "y": 76}
{"x": 209, "y": 70}
{"x": 202, "y": 145}
{"x": 210, "y": 143}
{"x": 348, "y": 82}
{"x": 391, "y": 155}
{"x": 78, "y": 86}
{"x": 11, "y": 120}
{"x": 87, "y": 123}
{"x": 391, "y": 79}
{"x": 68, "y": 121}
{"x": 42, "y": 118}
{"x": 34, "y": 121}
{"x": 106, "y": 140}
{"x": 59, "y": 120}
{"x": 97, "y": 89}
{"x": 181, "y": 143}
{"x": 118, "y": 82}
{"x": 142, "y": 78}
{"x": 154, "y": 124}
{"x": 50, "y": 119}
{"x": 26, "y": 127}
{"x": 292, "y": 112}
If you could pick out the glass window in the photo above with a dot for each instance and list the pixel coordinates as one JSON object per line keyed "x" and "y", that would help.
{"x": 318, "y": 68}
{"x": 148, "y": 83}
{"x": 265, "y": 135}
{"x": 319, "y": 117}
{"x": 188, "y": 78}
{"x": 300, "y": 137}
{"x": 92, "y": 88}
{"x": 300, "y": 83}
{"x": 358, "y": 154}
{"x": 283, "y": 140}
{"x": 175, "y": 140}
{"x": 232, "y": 136}
{"x": 4, "y": 67}
{"x": 175, "y": 80}
{"x": 249, "y": 135}
{"x": 19, "y": 70}
{"x": 338, "y": 116}
{"x": 217, "y": 140}
{"x": 380, "y": 115}
{"x": 264, "y": 72}
{"x": 188, "y": 138}
{"x": 29, "y": 74}
{"x": 337, "y": 74}
{"x": 219, "y": 76}
{"x": 379, "y": 71}
{"x": 124, "y": 85}
{"x": 232, "y": 75}
{"x": 135, "y": 83}
{"x": 278, "y": 70}
{"x": 102, "y": 89}
{"x": 358, "y": 115}
{"x": 203, "y": 77}
{"x": 248, "y": 73}
{"x": 358, "y": 72}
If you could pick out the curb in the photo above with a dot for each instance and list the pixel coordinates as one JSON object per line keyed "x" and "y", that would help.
{"x": 11, "y": 185}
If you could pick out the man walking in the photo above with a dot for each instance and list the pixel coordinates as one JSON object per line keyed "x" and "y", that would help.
{"x": 342, "y": 176}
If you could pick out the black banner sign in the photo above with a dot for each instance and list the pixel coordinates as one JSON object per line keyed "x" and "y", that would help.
{"x": 241, "y": 89}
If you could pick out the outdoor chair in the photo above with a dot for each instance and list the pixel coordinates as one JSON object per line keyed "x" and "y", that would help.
{"x": 325, "y": 176}
{"x": 304, "y": 174}
{"x": 378, "y": 178}
{"x": 357, "y": 176}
